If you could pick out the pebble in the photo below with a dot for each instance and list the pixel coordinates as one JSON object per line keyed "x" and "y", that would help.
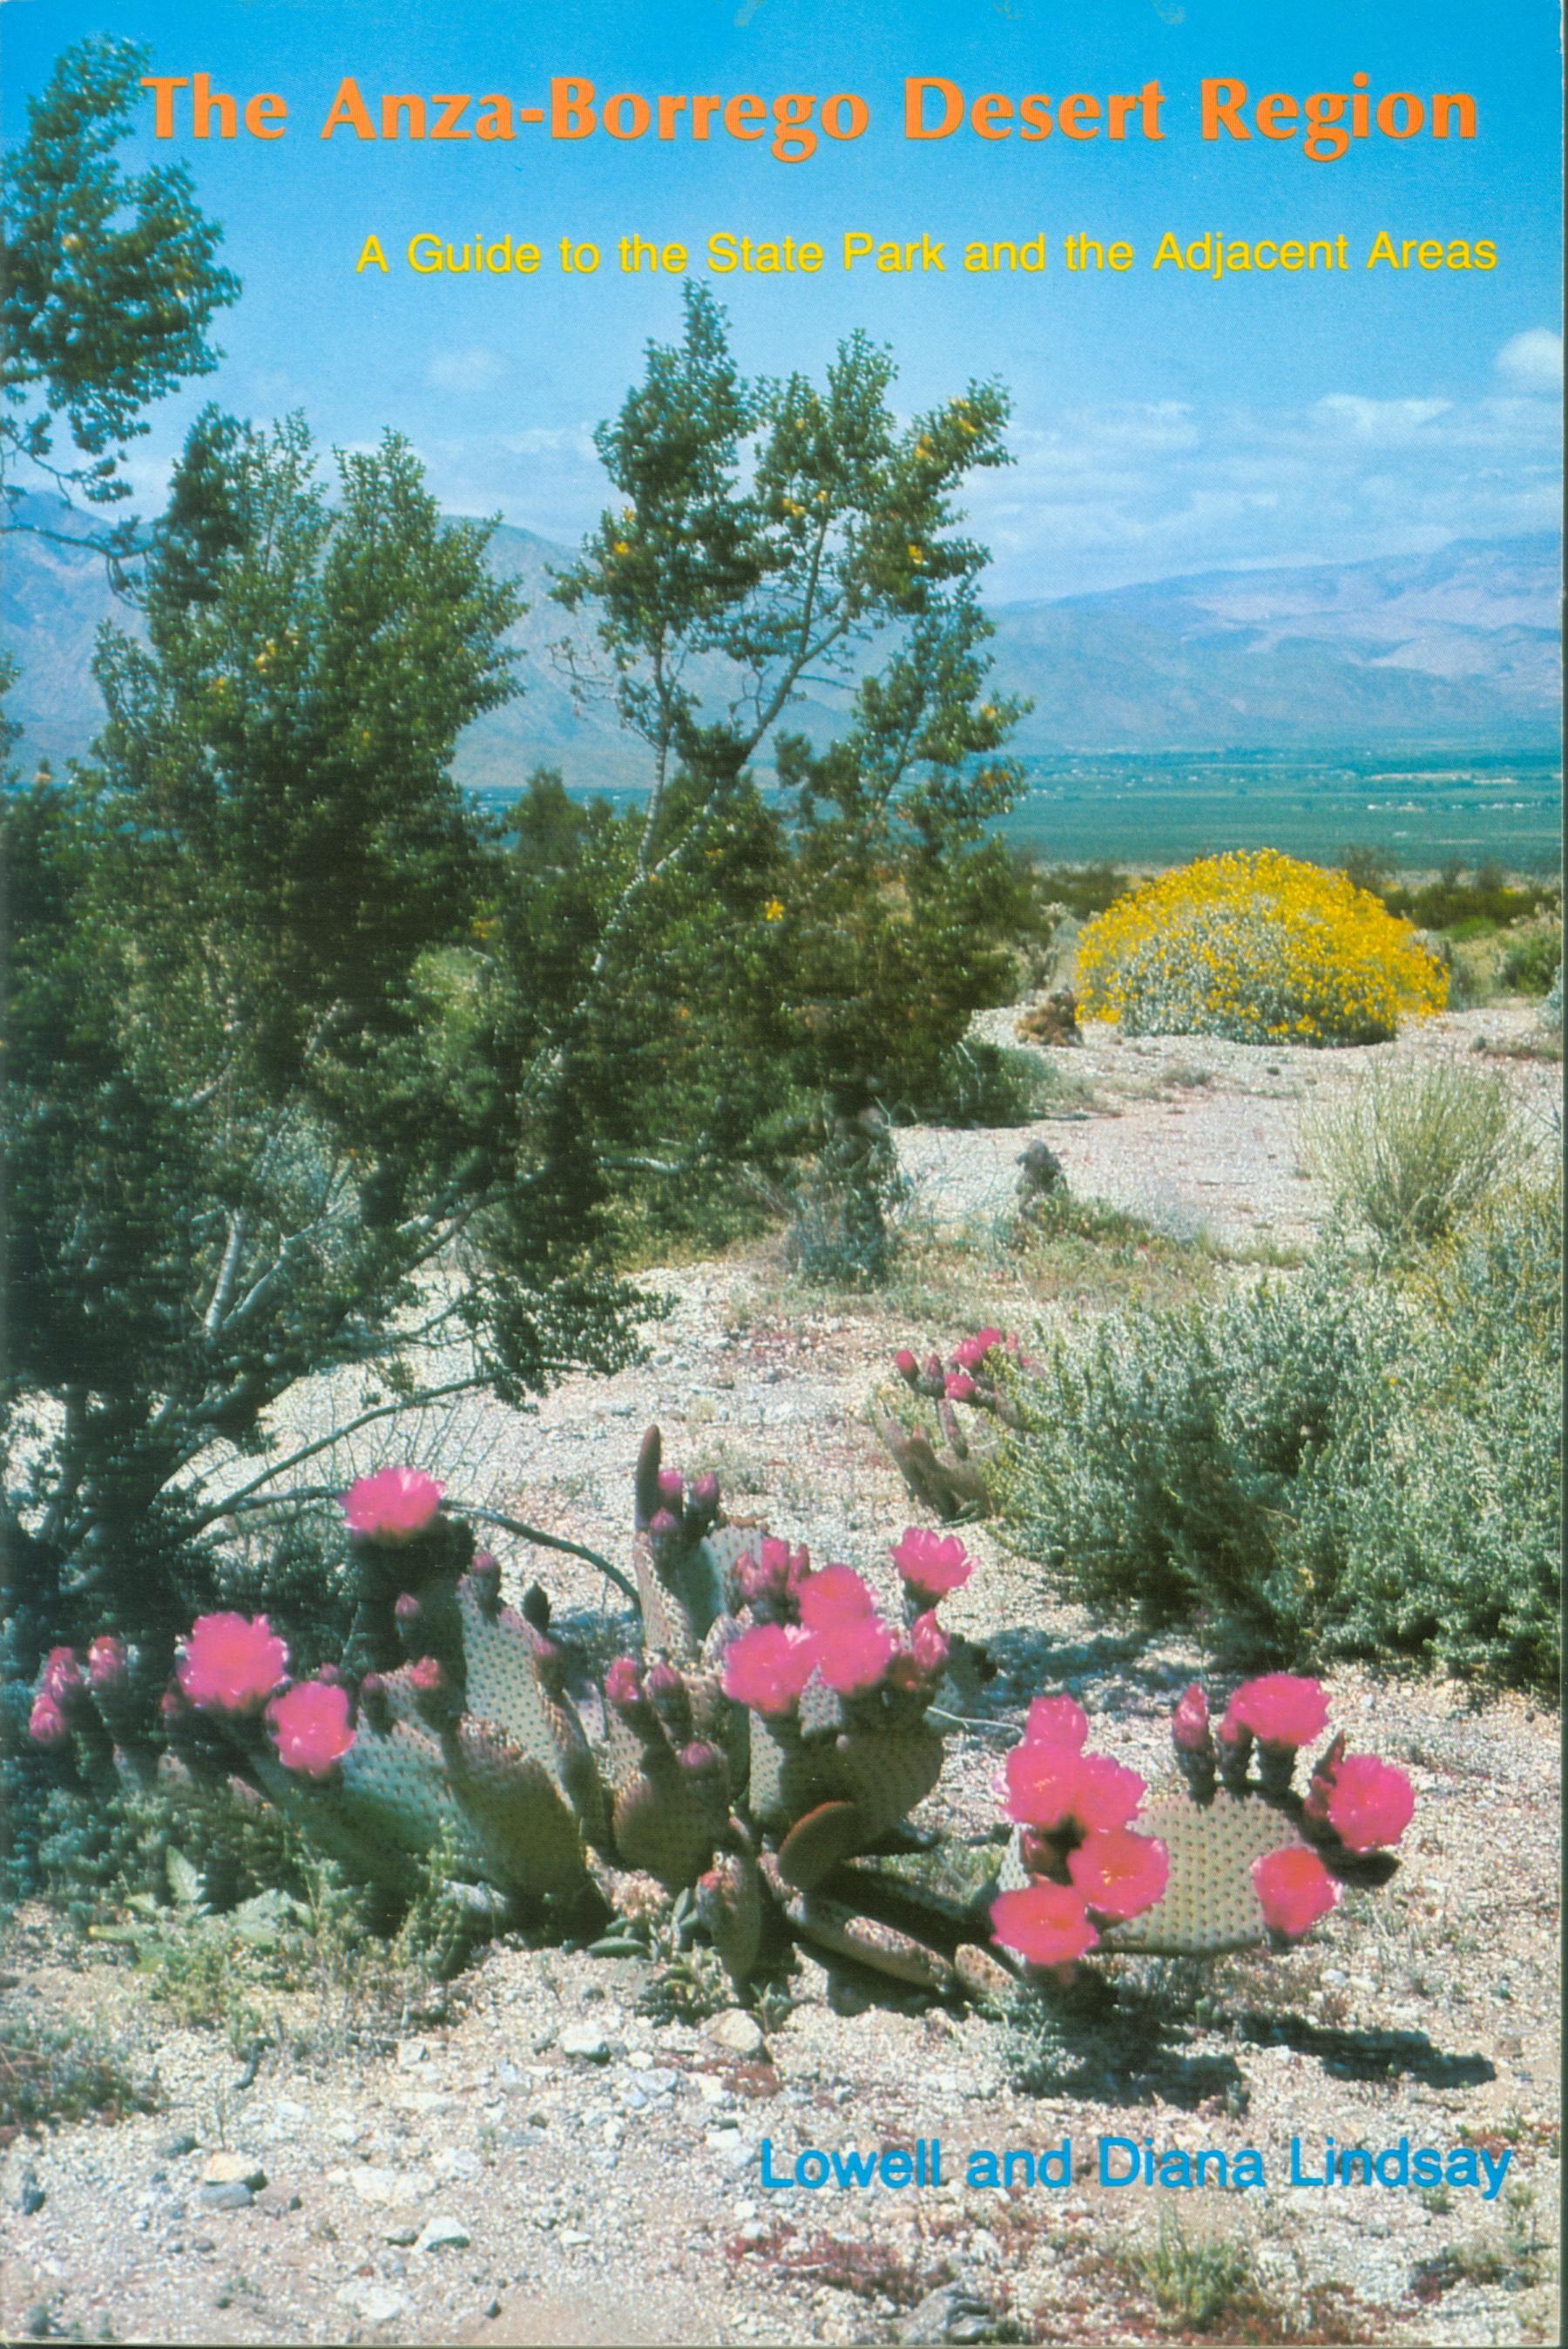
{"x": 233, "y": 2169}
{"x": 739, "y": 2033}
{"x": 383, "y": 2186}
{"x": 233, "y": 2194}
{"x": 175, "y": 2148}
{"x": 583, "y": 2044}
{"x": 444, "y": 2235}
{"x": 375, "y": 2303}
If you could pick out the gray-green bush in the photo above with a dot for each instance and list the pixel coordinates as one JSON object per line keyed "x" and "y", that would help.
{"x": 1355, "y": 1460}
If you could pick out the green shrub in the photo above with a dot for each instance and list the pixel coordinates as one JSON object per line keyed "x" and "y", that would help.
{"x": 1408, "y": 1154}
{"x": 1355, "y": 1461}
{"x": 1533, "y": 960}
{"x": 982, "y": 1084}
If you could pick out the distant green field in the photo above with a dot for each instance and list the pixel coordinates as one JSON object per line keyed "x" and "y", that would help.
{"x": 1423, "y": 809}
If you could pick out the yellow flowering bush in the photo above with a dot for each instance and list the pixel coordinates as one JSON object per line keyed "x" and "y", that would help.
{"x": 1260, "y": 948}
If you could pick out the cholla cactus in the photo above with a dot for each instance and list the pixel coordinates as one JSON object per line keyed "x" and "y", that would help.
{"x": 1234, "y": 1860}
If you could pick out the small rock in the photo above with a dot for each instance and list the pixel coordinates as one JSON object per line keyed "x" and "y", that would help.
{"x": 31, "y": 2198}
{"x": 494, "y": 2308}
{"x": 754, "y": 2232}
{"x": 176, "y": 2148}
{"x": 234, "y": 2169}
{"x": 574, "y": 2239}
{"x": 402, "y": 2238}
{"x": 411, "y": 2051}
{"x": 955, "y": 2311}
{"x": 37, "y": 2321}
{"x": 375, "y": 2186}
{"x": 444, "y": 2235}
{"x": 710, "y": 2088}
{"x": 375, "y": 2303}
{"x": 231, "y": 2194}
{"x": 738, "y": 2032}
{"x": 583, "y": 2044}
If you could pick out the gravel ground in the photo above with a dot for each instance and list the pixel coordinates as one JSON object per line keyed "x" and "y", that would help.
{"x": 538, "y": 2161}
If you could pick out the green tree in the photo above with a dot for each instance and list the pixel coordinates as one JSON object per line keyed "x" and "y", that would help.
{"x": 800, "y": 913}
{"x": 109, "y": 284}
{"x": 255, "y": 1134}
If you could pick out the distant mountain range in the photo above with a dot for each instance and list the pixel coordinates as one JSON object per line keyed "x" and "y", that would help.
{"x": 1461, "y": 646}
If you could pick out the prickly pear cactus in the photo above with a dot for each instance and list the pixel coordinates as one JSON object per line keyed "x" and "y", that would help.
{"x": 1210, "y": 1904}
{"x": 1235, "y": 1861}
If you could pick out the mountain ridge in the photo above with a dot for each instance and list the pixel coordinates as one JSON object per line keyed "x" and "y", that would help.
{"x": 1457, "y": 645}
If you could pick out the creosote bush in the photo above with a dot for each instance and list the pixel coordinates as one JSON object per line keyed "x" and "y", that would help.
{"x": 1362, "y": 1459}
{"x": 1259, "y": 948}
{"x": 1411, "y": 1152}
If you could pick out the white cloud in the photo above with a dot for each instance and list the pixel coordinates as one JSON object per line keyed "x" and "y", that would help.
{"x": 1533, "y": 362}
{"x": 476, "y": 369}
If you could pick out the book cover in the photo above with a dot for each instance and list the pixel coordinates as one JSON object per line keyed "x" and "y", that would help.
{"x": 783, "y": 1152}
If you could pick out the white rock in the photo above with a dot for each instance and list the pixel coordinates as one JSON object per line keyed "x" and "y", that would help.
{"x": 711, "y": 2089}
{"x": 584, "y": 2043}
{"x": 233, "y": 2169}
{"x": 381, "y": 2187}
{"x": 739, "y": 2031}
{"x": 444, "y": 2235}
{"x": 411, "y": 2051}
{"x": 377, "y": 2303}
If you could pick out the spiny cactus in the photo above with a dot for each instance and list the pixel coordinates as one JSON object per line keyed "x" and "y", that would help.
{"x": 1233, "y": 1861}
{"x": 772, "y": 1730}
{"x": 951, "y": 1483}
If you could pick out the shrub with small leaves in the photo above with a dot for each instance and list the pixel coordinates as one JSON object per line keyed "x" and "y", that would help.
{"x": 1260, "y": 948}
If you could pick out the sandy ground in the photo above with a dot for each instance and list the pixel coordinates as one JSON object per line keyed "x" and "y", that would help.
{"x": 467, "y": 2175}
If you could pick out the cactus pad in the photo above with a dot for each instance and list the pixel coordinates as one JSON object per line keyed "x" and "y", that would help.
{"x": 1210, "y": 1905}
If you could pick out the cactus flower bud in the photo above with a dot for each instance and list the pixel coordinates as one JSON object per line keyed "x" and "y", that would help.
{"x": 959, "y": 1387}
{"x": 672, "y": 1489}
{"x": 702, "y": 1502}
{"x": 1190, "y": 1723}
{"x": 906, "y": 1366}
{"x": 108, "y": 1663}
{"x": 374, "y": 1702}
{"x": 407, "y": 1609}
{"x": 623, "y": 1684}
{"x": 62, "y": 1673}
{"x": 701, "y": 1760}
{"x": 664, "y": 1682}
{"x": 661, "y": 1526}
{"x": 47, "y": 1723}
{"x": 426, "y": 1676}
{"x": 929, "y": 1645}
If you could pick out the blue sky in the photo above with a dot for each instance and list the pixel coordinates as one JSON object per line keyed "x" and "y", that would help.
{"x": 1162, "y": 425}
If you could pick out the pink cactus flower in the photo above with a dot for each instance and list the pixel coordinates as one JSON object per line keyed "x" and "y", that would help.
{"x": 230, "y": 1665}
{"x": 1046, "y": 1923}
{"x": 853, "y": 1652}
{"x": 1190, "y": 1723}
{"x": 1057, "y": 1721}
{"x": 623, "y": 1682}
{"x": 834, "y": 1594}
{"x": 929, "y": 1646}
{"x": 1118, "y": 1873}
{"x": 62, "y": 1673}
{"x": 1294, "y": 1889}
{"x": 931, "y": 1564}
{"x": 1280, "y": 1710}
{"x": 46, "y": 1724}
{"x": 427, "y": 1676}
{"x": 768, "y": 1667}
{"x": 393, "y": 1507}
{"x": 1107, "y": 1794}
{"x": 1042, "y": 1784}
{"x": 311, "y": 1728}
{"x": 970, "y": 1353}
{"x": 108, "y": 1662}
{"x": 959, "y": 1387}
{"x": 1370, "y": 1802}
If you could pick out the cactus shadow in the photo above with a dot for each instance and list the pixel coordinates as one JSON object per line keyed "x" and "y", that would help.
{"x": 1366, "y": 2055}
{"x": 1029, "y": 1659}
{"x": 1120, "y": 2046}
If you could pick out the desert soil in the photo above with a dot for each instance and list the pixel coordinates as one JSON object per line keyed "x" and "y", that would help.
{"x": 535, "y": 2159}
